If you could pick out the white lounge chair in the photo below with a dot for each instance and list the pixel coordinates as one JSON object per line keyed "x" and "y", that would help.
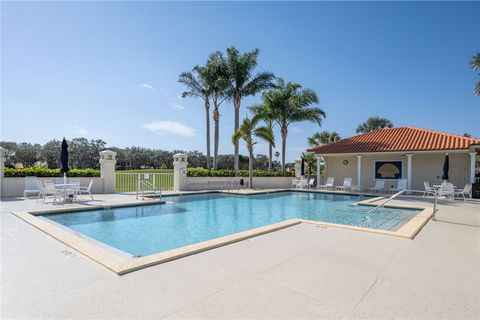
{"x": 86, "y": 190}
{"x": 465, "y": 192}
{"x": 446, "y": 190}
{"x": 328, "y": 185}
{"x": 428, "y": 189}
{"x": 401, "y": 185}
{"x": 311, "y": 183}
{"x": 31, "y": 186}
{"x": 47, "y": 188}
{"x": 379, "y": 186}
{"x": 347, "y": 185}
{"x": 295, "y": 182}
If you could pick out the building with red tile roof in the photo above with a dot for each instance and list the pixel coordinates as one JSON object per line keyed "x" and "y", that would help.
{"x": 390, "y": 154}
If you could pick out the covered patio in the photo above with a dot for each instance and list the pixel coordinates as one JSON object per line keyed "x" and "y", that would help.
{"x": 390, "y": 154}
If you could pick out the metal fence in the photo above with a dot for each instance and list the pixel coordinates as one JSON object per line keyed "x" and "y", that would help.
{"x": 127, "y": 181}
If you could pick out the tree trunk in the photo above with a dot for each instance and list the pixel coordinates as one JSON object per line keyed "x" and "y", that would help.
{"x": 236, "y": 106}
{"x": 216, "y": 119}
{"x": 250, "y": 167}
{"x": 207, "y": 123}
{"x": 270, "y": 150}
{"x": 284, "y": 132}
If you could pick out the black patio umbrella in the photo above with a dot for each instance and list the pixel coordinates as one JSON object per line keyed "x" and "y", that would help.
{"x": 446, "y": 166}
{"x": 64, "y": 160}
{"x": 302, "y": 168}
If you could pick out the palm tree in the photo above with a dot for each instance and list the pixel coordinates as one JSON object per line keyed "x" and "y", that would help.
{"x": 242, "y": 83}
{"x": 247, "y": 131}
{"x": 310, "y": 160}
{"x": 374, "y": 123}
{"x": 263, "y": 111}
{"x": 217, "y": 67}
{"x": 475, "y": 64}
{"x": 323, "y": 137}
{"x": 290, "y": 103}
{"x": 198, "y": 86}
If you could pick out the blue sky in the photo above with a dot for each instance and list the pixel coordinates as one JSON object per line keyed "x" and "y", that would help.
{"x": 109, "y": 70}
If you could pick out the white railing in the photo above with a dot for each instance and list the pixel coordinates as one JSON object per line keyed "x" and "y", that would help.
{"x": 127, "y": 181}
{"x": 381, "y": 204}
{"x": 146, "y": 189}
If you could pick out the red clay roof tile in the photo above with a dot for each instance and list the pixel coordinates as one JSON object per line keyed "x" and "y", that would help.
{"x": 397, "y": 140}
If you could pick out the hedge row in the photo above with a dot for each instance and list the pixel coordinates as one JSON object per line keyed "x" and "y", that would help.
{"x": 45, "y": 172}
{"x": 198, "y": 172}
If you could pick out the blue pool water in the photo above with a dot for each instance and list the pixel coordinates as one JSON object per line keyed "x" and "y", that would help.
{"x": 188, "y": 219}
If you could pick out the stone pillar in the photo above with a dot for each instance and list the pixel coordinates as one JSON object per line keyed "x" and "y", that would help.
{"x": 473, "y": 156}
{"x": 2, "y": 165}
{"x": 180, "y": 182}
{"x": 298, "y": 167}
{"x": 359, "y": 173}
{"x": 318, "y": 169}
{"x": 107, "y": 170}
{"x": 409, "y": 171}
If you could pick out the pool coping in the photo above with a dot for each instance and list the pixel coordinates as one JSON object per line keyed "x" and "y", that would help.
{"x": 119, "y": 264}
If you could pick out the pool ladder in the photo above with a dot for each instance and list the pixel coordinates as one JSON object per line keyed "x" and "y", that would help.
{"x": 382, "y": 204}
{"x": 146, "y": 189}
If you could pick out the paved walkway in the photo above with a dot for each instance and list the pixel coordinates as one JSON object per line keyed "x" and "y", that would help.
{"x": 303, "y": 272}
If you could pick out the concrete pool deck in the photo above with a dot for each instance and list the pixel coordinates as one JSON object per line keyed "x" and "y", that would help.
{"x": 303, "y": 271}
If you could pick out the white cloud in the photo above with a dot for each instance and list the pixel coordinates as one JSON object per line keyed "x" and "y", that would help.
{"x": 169, "y": 127}
{"x": 81, "y": 131}
{"x": 179, "y": 97}
{"x": 146, "y": 86}
{"x": 177, "y": 106}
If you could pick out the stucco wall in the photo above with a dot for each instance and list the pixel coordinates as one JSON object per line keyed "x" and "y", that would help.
{"x": 13, "y": 187}
{"x": 215, "y": 183}
{"x": 425, "y": 167}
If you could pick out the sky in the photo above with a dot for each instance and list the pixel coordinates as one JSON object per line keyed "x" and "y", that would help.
{"x": 109, "y": 70}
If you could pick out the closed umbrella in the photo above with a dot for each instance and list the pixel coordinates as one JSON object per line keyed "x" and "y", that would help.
{"x": 64, "y": 160}
{"x": 302, "y": 168}
{"x": 446, "y": 166}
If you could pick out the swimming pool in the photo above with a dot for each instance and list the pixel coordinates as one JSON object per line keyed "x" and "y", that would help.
{"x": 189, "y": 219}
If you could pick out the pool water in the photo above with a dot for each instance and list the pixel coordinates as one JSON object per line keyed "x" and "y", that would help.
{"x": 189, "y": 219}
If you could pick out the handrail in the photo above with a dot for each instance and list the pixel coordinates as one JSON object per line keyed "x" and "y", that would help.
{"x": 381, "y": 204}
{"x": 145, "y": 183}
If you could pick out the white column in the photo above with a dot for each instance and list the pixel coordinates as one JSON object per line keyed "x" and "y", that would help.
{"x": 180, "y": 163}
{"x": 409, "y": 171}
{"x": 473, "y": 156}
{"x": 2, "y": 165}
{"x": 318, "y": 169}
{"x": 107, "y": 170}
{"x": 359, "y": 172}
{"x": 298, "y": 167}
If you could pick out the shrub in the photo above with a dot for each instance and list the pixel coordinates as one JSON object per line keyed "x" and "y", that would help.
{"x": 39, "y": 171}
{"x": 199, "y": 172}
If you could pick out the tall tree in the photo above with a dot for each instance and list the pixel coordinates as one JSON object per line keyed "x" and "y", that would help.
{"x": 243, "y": 83}
{"x": 263, "y": 111}
{"x": 247, "y": 131}
{"x": 289, "y": 104}
{"x": 311, "y": 160}
{"x": 198, "y": 86}
{"x": 475, "y": 64}
{"x": 374, "y": 123}
{"x": 218, "y": 77}
{"x": 323, "y": 137}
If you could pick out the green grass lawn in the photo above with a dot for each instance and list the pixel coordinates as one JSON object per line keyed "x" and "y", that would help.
{"x": 127, "y": 179}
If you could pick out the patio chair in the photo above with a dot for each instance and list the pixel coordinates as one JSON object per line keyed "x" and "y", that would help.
{"x": 31, "y": 186}
{"x": 328, "y": 185}
{"x": 311, "y": 183}
{"x": 464, "y": 192}
{"x": 47, "y": 188}
{"x": 75, "y": 188}
{"x": 428, "y": 189}
{"x": 379, "y": 186}
{"x": 86, "y": 190}
{"x": 295, "y": 182}
{"x": 60, "y": 181}
{"x": 446, "y": 190}
{"x": 347, "y": 185}
{"x": 401, "y": 185}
